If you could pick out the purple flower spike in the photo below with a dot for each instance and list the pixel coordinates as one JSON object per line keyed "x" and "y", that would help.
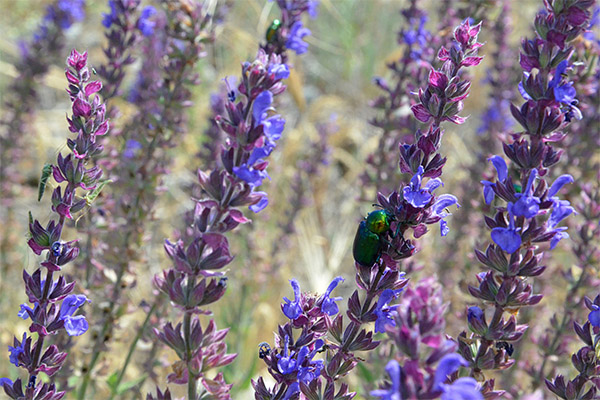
{"x": 145, "y": 24}
{"x": 292, "y": 309}
{"x": 329, "y": 306}
{"x": 393, "y": 393}
{"x": 294, "y": 41}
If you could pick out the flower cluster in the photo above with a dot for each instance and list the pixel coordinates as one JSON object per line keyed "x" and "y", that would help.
{"x": 425, "y": 359}
{"x": 53, "y": 303}
{"x": 416, "y": 205}
{"x": 586, "y": 361}
{"x": 531, "y": 210}
{"x": 288, "y": 32}
{"x": 124, "y": 26}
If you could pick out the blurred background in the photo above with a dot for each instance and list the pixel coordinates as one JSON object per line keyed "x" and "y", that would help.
{"x": 307, "y": 230}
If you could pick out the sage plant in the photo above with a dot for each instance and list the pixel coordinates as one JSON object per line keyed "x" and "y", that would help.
{"x": 418, "y": 319}
{"x": 195, "y": 281}
{"x": 586, "y": 361}
{"x": 52, "y": 304}
{"x": 158, "y": 125}
{"x": 19, "y": 102}
{"x": 291, "y": 361}
{"x": 580, "y": 146}
{"x": 528, "y": 208}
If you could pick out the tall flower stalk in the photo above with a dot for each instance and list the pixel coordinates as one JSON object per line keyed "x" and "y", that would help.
{"x": 52, "y": 304}
{"x": 416, "y": 324}
{"x": 143, "y": 159}
{"x": 528, "y": 209}
{"x": 196, "y": 280}
{"x": 19, "y": 104}
{"x": 291, "y": 362}
{"x": 586, "y": 361}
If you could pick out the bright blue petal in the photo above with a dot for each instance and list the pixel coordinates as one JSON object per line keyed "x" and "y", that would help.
{"x": 500, "y": 165}
{"x": 449, "y": 364}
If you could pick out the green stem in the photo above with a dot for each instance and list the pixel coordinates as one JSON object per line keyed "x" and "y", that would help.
{"x": 131, "y": 350}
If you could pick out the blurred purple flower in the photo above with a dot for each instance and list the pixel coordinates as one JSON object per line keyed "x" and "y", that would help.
{"x": 329, "y": 306}
{"x": 74, "y": 10}
{"x": 108, "y": 19}
{"x": 292, "y": 310}
{"x": 393, "y": 392}
{"x": 294, "y": 41}
{"x": 281, "y": 71}
{"x": 145, "y": 24}
{"x": 261, "y": 204}
{"x": 462, "y": 389}
{"x": 448, "y": 365}
{"x": 416, "y": 38}
{"x": 131, "y": 148}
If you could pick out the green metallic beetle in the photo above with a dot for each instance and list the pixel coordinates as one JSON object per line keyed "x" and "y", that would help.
{"x": 273, "y": 30}
{"x": 370, "y": 241}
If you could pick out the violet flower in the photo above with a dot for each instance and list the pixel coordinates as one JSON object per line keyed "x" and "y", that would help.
{"x": 54, "y": 306}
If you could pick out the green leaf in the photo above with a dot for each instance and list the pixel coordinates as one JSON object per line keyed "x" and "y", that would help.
{"x": 125, "y": 386}
{"x": 111, "y": 381}
{"x": 90, "y": 197}
{"x": 46, "y": 171}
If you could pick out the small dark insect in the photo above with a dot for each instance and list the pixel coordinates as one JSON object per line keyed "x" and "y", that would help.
{"x": 263, "y": 350}
{"x": 506, "y": 346}
{"x": 273, "y": 31}
{"x": 56, "y": 249}
{"x": 31, "y": 381}
{"x": 222, "y": 282}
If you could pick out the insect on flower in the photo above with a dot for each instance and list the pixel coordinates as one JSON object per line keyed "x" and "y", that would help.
{"x": 370, "y": 239}
{"x": 263, "y": 350}
{"x": 273, "y": 31}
